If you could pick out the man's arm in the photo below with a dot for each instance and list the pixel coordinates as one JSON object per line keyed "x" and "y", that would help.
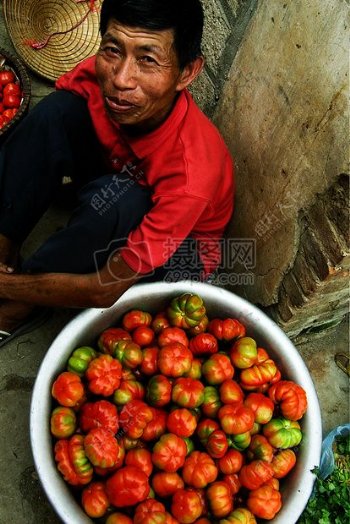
{"x": 100, "y": 289}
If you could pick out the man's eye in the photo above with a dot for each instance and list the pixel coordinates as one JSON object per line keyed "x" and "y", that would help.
{"x": 111, "y": 50}
{"x": 147, "y": 59}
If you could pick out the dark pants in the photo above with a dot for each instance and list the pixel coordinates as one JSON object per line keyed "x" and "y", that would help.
{"x": 57, "y": 139}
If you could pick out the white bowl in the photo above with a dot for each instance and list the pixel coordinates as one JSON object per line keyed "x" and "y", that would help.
{"x": 153, "y": 297}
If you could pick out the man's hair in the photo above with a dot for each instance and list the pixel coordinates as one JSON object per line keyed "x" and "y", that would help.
{"x": 185, "y": 17}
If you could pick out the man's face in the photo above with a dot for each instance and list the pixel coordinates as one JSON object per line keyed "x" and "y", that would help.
{"x": 138, "y": 74}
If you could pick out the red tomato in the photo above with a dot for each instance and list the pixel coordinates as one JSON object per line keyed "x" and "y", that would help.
{"x": 94, "y": 500}
{"x": 172, "y": 334}
{"x": 136, "y": 318}
{"x": 68, "y": 389}
{"x": 231, "y": 462}
{"x": 156, "y": 427}
{"x": 233, "y": 482}
{"x": 174, "y": 359}
{"x": 255, "y": 474}
{"x": 11, "y": 101}
{"x": 12, "y": 89}
{"x": 169, "y": 453}
{"x": 6, "y": 77}
{"x": 127, "y": 486}
{"x": 220, "y": 499}
{"x": 181, "y": 422}
{"x": 149, "y": 364}
{"x": 99, "y": 414}
{"x": 217, "y": 444}
{"x": 204, "y": 344}
{"x": 264, "y": 502}
{"x": 143, "y": 336}
{"x": 186, "y": 506}
{"x": 140, "y": 458}
{"x": 101, "y": 447}
{"x": 199, "y": 470}
{"x": 118, "y": 518}
{"x": 146, "y": 509}
{"x": 165, "y": 484}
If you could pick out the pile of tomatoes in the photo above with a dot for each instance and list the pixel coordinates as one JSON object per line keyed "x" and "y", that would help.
{"x": 176, "y": 418}
{"x": 10, "y": 96}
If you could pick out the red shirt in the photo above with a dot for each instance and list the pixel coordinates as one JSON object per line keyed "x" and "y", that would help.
{"x": 186, "y": 164}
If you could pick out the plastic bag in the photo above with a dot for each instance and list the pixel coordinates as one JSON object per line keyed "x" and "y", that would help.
{"x": 327, "y": 463}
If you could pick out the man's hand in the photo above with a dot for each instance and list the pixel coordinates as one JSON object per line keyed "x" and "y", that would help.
{"x": 100, "y": 289}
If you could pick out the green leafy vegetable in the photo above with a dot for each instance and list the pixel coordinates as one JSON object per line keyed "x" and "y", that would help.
{"x": 330, "y": 501}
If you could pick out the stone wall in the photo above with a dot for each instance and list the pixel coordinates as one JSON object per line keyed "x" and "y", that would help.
{"x": 284, "y": 115}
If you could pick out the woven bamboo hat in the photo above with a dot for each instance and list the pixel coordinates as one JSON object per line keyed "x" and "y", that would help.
{"x": 52, "y": 36}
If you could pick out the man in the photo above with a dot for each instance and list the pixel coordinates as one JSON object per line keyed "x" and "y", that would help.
{"x": 154, "y": 178}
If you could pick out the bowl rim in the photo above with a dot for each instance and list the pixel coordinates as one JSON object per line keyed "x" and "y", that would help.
{"x": 57, "y": 490}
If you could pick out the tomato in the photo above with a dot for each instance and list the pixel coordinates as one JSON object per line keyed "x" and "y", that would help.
{"x": 217, "y": 368}
{"x": 127, "y": 486}
{"x": 227, "y": 329}
{"x": 174, "y": 359}
{"x": 160, "y": 322}
{"x": 8, "y": 113}
{"x": 81, "y": 357}
{"x": 140, "y": 458}
{"x": 256, "y": 473}
{"x": 264, "y": 502}
{"x": 239, "y": 516}
{"x": 244, "y": 353}
{"x": 186, "y": 311}
{"x": 231, "y": 462}
{"x": 118, "y": 518}
{"x": 219, "y": 499}
{"x": 186, "y": 506}
{"x": 217, "y": 444}
{"x": 68, "y": 389}
{"x": 103, "y": 375}
{"x": 63, "y": 451}
{"x": 158, "y": 391}
{"x": 258, "y": 375}
{"x": 143, "y": 336}
{"x": 187, "y": 392}
{"x": 199, "y": 328}
{"x": 149, "y": 511}
{"x": 282, "y": 433}
{"x": 195, "y": 370}
{"x": 11, "y": 100}
{"x": 181, "y": 422}
{"x": 128, "y": 353}
{"x": 205, "y": 428}
{"x": 149, "y": 364}
{"x": 169, "y": 453}
{"x": 134, "y": 417}
{"x": 165, "y": 484}
{"x": 128, "y": 390}
{"x": 63, "y": 422}
{"x": 261, "y": 406}
{"x": 136, "y": 318}
{"x": 204, "y": 344}
{"x": 230, "y": 391}
{"x": 101, "y": 413}
{"x": 233, "y": 482}
{"x": 283, "y": 462}
{"x": 4, "y": 120}
{"x": 156, "y": 427}
{"x": 172, "y": 334}
{"x": 199, "y": 470}
{"x": 290, "y": 397}
{"x": 260, "y": 448}
{"x": 12, "y": 89}
{"x": 6, "y": 77}
{"x": 211, "y": 403}
{"x": 236, "y": 418}
{"x": 94, "y": 500}
{"x": 101, "y": 447}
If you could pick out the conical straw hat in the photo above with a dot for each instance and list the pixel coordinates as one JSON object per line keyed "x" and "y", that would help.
{"x": 66, "y": 32}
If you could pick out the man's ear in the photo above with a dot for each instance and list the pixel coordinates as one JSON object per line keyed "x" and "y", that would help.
{"x": 189, "y": 73}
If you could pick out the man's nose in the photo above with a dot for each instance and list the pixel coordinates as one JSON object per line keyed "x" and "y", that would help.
{"x": 124, "y": 74}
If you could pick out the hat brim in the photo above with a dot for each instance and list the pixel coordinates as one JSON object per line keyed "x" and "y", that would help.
{"x": 73, "y": 26}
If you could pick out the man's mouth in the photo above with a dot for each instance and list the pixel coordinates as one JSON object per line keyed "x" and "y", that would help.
{"x": 118, "y": 104}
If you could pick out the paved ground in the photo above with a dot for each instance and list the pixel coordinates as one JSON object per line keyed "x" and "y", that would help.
{"x": 21, "y": 497}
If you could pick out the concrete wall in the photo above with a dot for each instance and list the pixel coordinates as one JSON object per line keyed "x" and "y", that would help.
{"x": 284, "y": 115}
